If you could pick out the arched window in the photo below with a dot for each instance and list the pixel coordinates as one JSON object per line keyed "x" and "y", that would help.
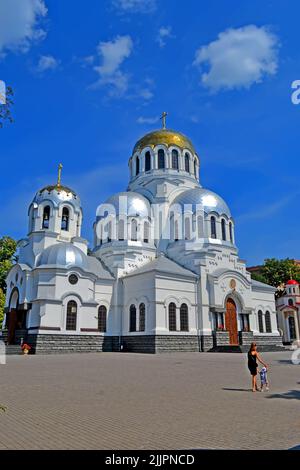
{"x": 146, "y": 232}
{"x": 137, "y": 165}
{"x": 268, "y": 322}
{"x": 213, "y": 230}
{"x": 172, "y": 316}
{"x": 260, "y": 321}
{"x": 71, "y": 321}
{"x": 195, "y": 167}
{"x": 187, "y": 229}
{"x": 223, "y": 226}
{"x": 184, "y": 318}
{"x": 46, "y": 217}
{"x": 109, "y": 231}
{"x": 187, "y": 162}
{"x": 121, "y": 229}
{"x": 132, "y": 318}
{"x": 147, "y": 161}
{"x": 142, "y": 309}
{"x": 134, "y": 228}
{"x": 14, "y": 299}
{"x": 175, "y": 159}
{"x": 230, "y": 232}
{"x": 291, "y": 302}
{"x": 65, "y": 219}
{"x": 102, "y": 316}
{"x": 161, "y": 159}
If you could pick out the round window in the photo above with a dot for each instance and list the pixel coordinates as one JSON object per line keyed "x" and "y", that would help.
{"x": 73, "y": 279}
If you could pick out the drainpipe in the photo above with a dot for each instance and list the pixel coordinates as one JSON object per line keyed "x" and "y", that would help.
{"x": 121, "y": 313}
{"x": 198, "y": 283}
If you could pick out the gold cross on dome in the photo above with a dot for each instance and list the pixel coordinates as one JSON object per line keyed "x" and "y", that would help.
{"x": 163, "y": 118}
{"x": 59, "y": 174}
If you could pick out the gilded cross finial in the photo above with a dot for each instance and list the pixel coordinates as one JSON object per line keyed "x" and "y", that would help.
{"x": 164, "y": 121}
{"x": 59, "y": 174}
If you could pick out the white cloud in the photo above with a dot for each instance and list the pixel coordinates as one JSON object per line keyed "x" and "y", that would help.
{"x": 238, "y": 58}
{"x": 88, "y": 60}
{"x": 264, "y": 211}
{"x": 147, "y": 120}
{"x": 146, "y": 93}
{"x": 19, "y": 24}
{"x": 165, "y": 32}
{"x": 47, "y": 62}
{"x": 112, "y": 54}
{"x": 135, "y": 6}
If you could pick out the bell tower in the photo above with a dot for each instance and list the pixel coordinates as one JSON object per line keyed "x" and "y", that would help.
{"x": 55, "y": 215}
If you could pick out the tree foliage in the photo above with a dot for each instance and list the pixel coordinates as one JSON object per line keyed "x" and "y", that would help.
{"x": 7, "y": 258}
{"x": 5, "y": 109}
{"x": 277, "y": 272}
{"x": 2, "y": 304}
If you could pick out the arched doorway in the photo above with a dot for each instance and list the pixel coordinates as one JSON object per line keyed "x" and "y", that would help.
{"x": 12, "y": 318}
{"x": 231, "y": 321}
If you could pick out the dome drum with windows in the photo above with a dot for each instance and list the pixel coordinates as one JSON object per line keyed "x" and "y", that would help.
{"x": 56, "y": 208}
{"x": 164, "y": 150}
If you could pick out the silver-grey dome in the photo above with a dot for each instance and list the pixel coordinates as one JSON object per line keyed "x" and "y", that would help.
{"x": 203, "y": 198}
{"x": 58, "y": 195}
{"x": 63, "y": 255}
{"x": 129, "y": 203}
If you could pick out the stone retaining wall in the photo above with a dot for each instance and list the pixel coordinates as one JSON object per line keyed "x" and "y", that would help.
{"x": 220, "y": 338}
{"x": 183, "y": 343}
{"x": 207, "y": 343}
{"x": 268, "y": 342}
{"x": 57, "y": 344}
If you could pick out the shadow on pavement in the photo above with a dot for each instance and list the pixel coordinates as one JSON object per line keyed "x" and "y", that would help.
{"x": 237, "y": 389}
{"x": 290, "y": 395}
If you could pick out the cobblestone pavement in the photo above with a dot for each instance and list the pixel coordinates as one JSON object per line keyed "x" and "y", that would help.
{"x": 138, "y": 401}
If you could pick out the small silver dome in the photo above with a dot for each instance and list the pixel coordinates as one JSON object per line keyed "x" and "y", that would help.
{"x": 63, "y": 255}
{"x": 130, "y": 203}
{"x": 205, "y": 198}
{"x": 58, "y": 195}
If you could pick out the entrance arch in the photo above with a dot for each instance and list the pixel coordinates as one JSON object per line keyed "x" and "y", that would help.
{"x": 12, "y": 318}
{"x": 231, "y": 321}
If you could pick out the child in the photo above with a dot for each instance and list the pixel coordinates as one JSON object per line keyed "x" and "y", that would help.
{"x": 264, "y": 379}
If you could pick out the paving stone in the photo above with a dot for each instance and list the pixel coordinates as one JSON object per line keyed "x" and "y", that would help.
{"x": 144, "y": 401}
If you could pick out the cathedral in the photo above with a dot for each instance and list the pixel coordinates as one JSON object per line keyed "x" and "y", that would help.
{"x": 163, "y": 274}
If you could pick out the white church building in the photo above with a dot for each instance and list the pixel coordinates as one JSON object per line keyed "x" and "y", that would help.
{"x": 163, "y": 275}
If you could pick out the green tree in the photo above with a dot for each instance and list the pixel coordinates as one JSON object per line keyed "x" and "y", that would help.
{"x": 277, "y": 272}
{"x": 2, "y": 304}
{"x": 5, "y": 113}
{"x": 7, "y": 258}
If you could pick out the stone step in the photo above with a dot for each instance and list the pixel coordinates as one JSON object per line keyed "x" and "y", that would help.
{"x": 13, "y": 350}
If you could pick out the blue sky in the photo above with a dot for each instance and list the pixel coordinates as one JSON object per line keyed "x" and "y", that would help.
{"x": 90, "y": 79}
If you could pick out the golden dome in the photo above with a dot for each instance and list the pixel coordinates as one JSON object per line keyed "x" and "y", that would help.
{"x": 166, "y": 137}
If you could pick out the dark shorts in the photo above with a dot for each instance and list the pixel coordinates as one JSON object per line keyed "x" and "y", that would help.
{"x": 253, "y": 370}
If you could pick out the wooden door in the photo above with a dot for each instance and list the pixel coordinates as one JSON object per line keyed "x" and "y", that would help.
{"x": 231, "y": 322}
